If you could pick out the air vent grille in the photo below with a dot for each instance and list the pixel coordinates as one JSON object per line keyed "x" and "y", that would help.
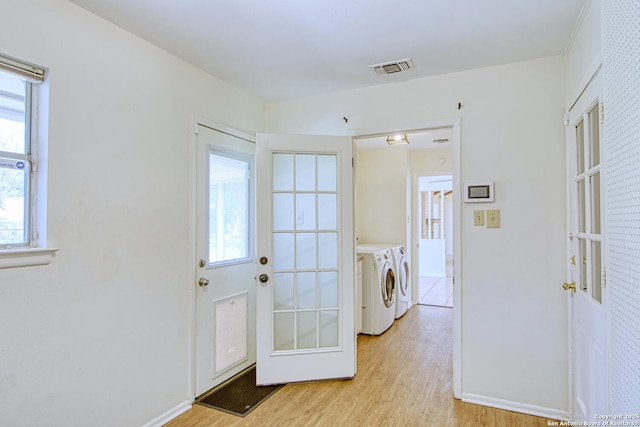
{"x": 393, "y": 66}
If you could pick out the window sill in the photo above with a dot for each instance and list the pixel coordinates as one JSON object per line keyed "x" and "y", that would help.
{"x": 26, "y": 257}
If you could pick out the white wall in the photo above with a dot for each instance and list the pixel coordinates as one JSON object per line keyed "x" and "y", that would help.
{"x": 621, "y": 85}
{"x": 584, "y": 54}
{"x": 100, "y": 336}
{"x": 382, "y": 219}
{"x": 514, "y": 315}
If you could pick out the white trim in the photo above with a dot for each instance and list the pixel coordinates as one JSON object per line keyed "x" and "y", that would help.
{"x": 457, "y": 267}
{"x": 26, "y": 257}
{"x": 409, "y": 128}
{"x": 589, "y": 76}
{"x": 576, "y": 27}
{"x": 569, "y": 139}
{"x": 524, "y": 408}
{"x": 171, "y": 414}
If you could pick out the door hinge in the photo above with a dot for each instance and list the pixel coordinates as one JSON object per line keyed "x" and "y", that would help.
{"x": 604, "y": 277}
{"x": 196, "y": 128}
{"x": 566, "y": 119}
{"x": 352, "y": 163}
{"x": 601, "y": 112}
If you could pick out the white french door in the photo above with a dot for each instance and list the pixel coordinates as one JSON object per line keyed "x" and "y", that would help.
{"x": 305, "y": 277}
{"x": 587, "y": 293}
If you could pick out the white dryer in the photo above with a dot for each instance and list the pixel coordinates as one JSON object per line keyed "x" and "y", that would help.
{"x": 403, "y": 283}
{"x": 378, "y": 290}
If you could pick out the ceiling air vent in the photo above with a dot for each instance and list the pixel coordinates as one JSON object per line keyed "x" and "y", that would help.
{"x": 393, "y": 66}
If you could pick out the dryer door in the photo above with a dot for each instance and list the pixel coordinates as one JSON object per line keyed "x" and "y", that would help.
{"x": 404, "y": 275}
{"x": 388, "y": 285}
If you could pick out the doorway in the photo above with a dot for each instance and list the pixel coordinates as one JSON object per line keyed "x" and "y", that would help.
{"x": 386, "y": 208}
{"x": 435, "y": 240}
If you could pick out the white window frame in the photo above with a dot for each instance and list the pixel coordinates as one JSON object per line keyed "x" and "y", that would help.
{"x": 34, "y": 250}
{"x": 249, "y": 159}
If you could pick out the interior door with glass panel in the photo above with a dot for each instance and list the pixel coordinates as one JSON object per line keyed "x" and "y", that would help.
{"x": 586, "y": 260}
{"x": 305, "y": 252}
{"x": 225, "y": 269}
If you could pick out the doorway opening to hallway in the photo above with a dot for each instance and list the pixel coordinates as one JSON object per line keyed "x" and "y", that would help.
{"x": 435, "y": 245}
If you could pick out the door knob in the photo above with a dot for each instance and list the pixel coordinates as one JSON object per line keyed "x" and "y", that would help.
{"x": 567, "y": 286}
{"x": 203, "y": 282}
{"x": 263, "y": 278}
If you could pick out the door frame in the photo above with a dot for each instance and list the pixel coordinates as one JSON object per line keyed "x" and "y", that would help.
{"x": 191, "y": 238}
{"x": 454, "y": 124}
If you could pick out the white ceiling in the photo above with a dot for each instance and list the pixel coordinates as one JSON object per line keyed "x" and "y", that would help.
{"x": 282, "y": 49}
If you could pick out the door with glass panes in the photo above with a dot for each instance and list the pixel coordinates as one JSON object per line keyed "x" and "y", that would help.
{"x": 305, "y": 251}
{"x": 587, "y": 292}
{"x": 224, "y": 265}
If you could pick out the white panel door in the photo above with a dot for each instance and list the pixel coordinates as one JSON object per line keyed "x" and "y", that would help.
{"x": 305, "y": 251}
{"x": 587, "y": 292}
{"x": 224, "y": 265}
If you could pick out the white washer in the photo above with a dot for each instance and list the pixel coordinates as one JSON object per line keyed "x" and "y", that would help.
{"x": 403, "y": 283}
{"x": 378, "y": 290}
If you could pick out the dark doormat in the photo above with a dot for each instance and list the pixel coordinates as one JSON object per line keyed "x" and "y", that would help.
{"x": 240, "y": 395}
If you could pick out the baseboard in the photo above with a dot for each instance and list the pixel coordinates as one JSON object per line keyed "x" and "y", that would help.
{"x": 169, "y": 415}
{"x": 539, "y": 411}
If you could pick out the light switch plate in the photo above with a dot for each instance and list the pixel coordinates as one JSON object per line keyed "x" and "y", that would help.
{"x": 493, "y": 218}
{"x": 478, "y": 217}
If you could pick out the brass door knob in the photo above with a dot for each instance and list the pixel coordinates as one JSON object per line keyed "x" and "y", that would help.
{"x": 567, "y": 286}
{"x": 202, "y": 282}
{"x": 263, "y": 278}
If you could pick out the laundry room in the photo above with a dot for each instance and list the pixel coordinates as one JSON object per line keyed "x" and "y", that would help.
{"x": 388, "y": 217}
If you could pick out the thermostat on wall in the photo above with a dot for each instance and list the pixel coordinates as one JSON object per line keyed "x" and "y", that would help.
{"x": 478, "y": 192}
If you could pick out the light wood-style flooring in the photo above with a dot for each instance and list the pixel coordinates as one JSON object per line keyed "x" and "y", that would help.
{"x": 437, "y": 290}
{"x": 404, "y": 378}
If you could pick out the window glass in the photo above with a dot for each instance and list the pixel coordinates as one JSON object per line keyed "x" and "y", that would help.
{"x": 15, "y": 162}
{"x": 580, "y": 147}
{"x": 229, "y": 199}
{"x": 594, "y": 136}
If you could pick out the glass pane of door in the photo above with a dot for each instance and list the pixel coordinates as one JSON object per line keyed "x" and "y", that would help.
{"x": 582, "y": 206}
{"x": 596, "y": 268}
{"x": 580, "y": 147}
{"x": 229, "y": 204}
{"x": 594, "y": 137}
{"x": 305, "y": 230}
{"x": 594, "y": 183}
{"x": 582, "y": 264}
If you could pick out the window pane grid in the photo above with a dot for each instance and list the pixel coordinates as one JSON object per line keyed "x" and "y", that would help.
{"x": 587, "y": 189}
{"x": 305, "y": 229}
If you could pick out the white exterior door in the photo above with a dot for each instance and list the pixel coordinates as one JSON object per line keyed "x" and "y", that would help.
{"x": 306, "y": 258}
{"x": 224, "y": 265}
{"x": 587, "y": 293}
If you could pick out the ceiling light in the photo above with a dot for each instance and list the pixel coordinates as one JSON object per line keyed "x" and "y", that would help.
{"x": 398, "y": 139}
